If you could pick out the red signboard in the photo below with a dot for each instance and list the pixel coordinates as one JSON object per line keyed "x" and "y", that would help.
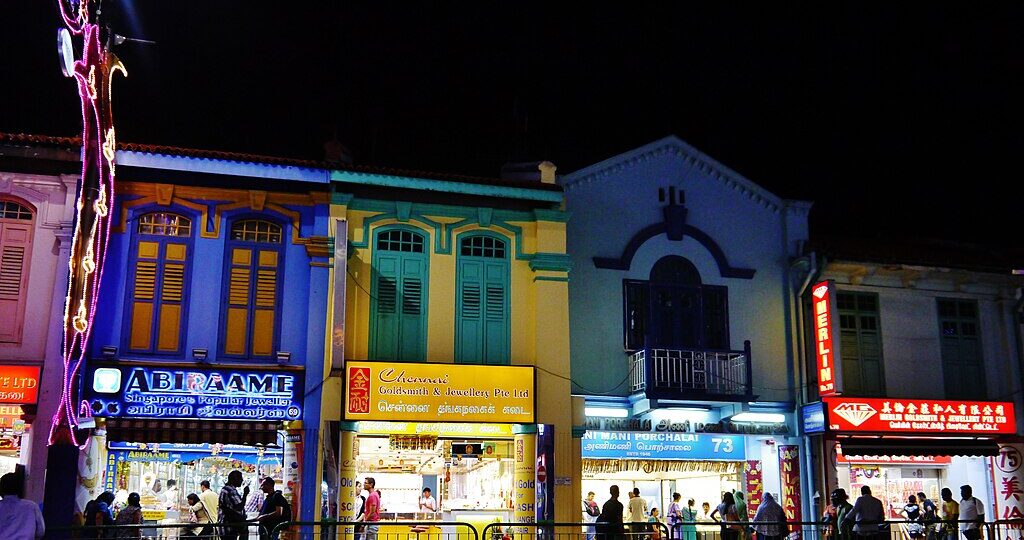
{"x": 826, "y": 349}
{"x": 893, "y": 415}
{"x": 359, "y": 390}
{"x": 789, "y": 470}
{"x": 755, "y": 487}
{"x": 1008, "y": 484}
{"x": 19, "y": 385}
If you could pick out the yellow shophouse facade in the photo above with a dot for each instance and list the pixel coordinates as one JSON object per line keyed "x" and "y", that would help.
{"x": 449, "y": 350}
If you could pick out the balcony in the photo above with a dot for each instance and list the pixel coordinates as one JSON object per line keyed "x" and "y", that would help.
{"x": 691, "y": 374}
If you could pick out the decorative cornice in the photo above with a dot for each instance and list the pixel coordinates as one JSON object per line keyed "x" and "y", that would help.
{"x": 319, "y": 246}
{"x": 674, "y": 146}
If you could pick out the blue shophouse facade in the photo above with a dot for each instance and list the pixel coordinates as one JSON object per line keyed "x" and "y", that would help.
{"x": 682, "y": 325}
{"x": 208, "y": 345}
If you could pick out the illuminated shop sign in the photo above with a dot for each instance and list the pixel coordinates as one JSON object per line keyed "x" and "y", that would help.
{"x": 439, "y": 392}
{"x": 889, "y": 415}
{"x": 633, "y": 445}
{"x": 685, "y": 426}
{"x": 826, "y": 349}
{"x": 439, "y": 429}
{"x": 215, "y": 394}
{"x": 19, "y": 385}
{"x": 813, "y": 417}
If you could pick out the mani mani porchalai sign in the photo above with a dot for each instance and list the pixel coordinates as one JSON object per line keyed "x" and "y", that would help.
{"x": 439, "y": 392}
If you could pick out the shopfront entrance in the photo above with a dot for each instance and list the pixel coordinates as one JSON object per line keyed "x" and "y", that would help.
{"x": 19, "y": 389}
{"x": 902, "y": 447}
{"x": 466, "y": 432}
{"x": 162, "y": 430}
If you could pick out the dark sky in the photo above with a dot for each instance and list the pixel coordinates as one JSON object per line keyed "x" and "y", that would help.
{"x": 894, "y": 119}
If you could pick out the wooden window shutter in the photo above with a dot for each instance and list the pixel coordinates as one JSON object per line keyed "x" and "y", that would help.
{"x": 482, "y": 305}
{"x": 15, "y": 252}
{"x": 236, "y": 331}
{"x": 398, "y": 303}
{"x": 265, "y": 305}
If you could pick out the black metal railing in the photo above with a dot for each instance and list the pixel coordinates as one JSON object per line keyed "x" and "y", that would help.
{"x": 667, "y": 373}
{"x": 386, "y": 530}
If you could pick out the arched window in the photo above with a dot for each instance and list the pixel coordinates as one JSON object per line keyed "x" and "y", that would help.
{"x": 482, "y": 303}
{"x": 158, "y": 283}
{"x": 398, "y": 299}
{"x": 16, "y": 230}
{"x": 674, "y": 310}
{"x": 252, "y": 285}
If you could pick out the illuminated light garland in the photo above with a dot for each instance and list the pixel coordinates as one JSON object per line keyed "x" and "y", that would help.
{"x": 92, "y": 220}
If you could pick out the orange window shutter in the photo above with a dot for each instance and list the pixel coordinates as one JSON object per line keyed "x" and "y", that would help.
{"x": 15, "y": 251}
{"x": 239, "y": 285}
{"x": 144, "y": 296}
{"x": 172, "y": 288}
{"x": 266, "y": 303}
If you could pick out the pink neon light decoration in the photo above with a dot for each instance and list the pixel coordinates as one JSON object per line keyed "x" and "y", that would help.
{"x": 93, "y": 74}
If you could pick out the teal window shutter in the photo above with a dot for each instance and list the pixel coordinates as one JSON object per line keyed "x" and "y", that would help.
{"x": 482, "y": 306}
{"x": 398, "y": 320}
{"x": 861, "y": 345}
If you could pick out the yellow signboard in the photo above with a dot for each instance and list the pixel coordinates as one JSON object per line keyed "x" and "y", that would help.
{"x": 439, "y": 392}
{"x": 444, "y": 430}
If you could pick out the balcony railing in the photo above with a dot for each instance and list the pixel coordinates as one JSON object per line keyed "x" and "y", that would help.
{"x": 689, "y": 374}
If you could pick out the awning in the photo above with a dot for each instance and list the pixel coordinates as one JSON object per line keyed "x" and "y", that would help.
{"x": 193, "y": 431}
{"x": 900, "y": 446}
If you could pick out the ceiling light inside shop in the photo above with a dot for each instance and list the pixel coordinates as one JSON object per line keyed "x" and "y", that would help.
{"x": 767, "y": 418}
{"x": 607, "y": 412}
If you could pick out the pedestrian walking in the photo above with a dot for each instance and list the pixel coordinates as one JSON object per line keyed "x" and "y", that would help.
{"x": 689, "y": 527}
{"x": 372, "y": 513}
{"x": 232, "y": 508}
{"x": 741, "y": 511}
{"x": 610, "y": 521}
{"x": 200, "y": 515}
{"x": 637, "y": 512}
{"x": 950, "y": 515}
{"x": 729, "y": 518}
{"x": 131, "y": 514}
{"x": 99, "y": 514}
{"x": 590, "y": 513}
{"x": 675, "y": 516}
{"x": 20, "y": 519}
{"x": 274, "y": 511}
{"x": 835, "y": 516}
{"x": 929, "y": 516}
{"x": 867, "y": 515}
{"x": 770, "y": 520}
{"x": 913, "y": 513}
{"x": 209, "y": 498}
{"x": 972, "y": 514}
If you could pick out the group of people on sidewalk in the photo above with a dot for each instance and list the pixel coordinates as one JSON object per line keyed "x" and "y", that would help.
{"x": 222, "y": 516}
{"x": 611, "y": 520}
{"x": 866, "y": 518}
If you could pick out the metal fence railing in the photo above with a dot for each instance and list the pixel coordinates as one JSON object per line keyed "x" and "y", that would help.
{"x": 575, "y": 531}
{"x": 158, "y": 531}
{"x": 385, "y": 530}
{"x": 821, "y": 530}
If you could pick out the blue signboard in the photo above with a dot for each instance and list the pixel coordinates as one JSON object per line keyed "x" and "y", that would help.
{"x": 194, "y": 393}
{"x": 655, "y": 445}
{"x": 813, "y": 416}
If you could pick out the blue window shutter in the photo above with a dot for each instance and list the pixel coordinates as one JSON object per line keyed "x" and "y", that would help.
{"x": 412, "y": 312}
{"x": 469, "y": 312}
{"x": 384, "y": 306}
{"x": 496, "y": 320}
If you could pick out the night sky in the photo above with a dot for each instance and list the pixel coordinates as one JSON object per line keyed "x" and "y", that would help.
{"x": 895, "y": 120}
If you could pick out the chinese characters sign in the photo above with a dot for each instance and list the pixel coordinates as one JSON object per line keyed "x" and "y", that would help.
{"x": 789, "y": 470}
{"x": 826, "y": 349}
{"x": 19, "y": 385}
{"x": 439, "y": 392}
{"x": 920, "y": 415}
{"x": 755, "y": 487}
{"x": 221, "y": 394}
{"x": 1008, "y": 482}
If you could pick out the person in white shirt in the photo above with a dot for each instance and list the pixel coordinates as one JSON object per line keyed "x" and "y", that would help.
{"x": 427, "y": 503}
{"x": 637, "y": 511}
{"x": 972, "y": 514}
{"x": 19, "y": 519}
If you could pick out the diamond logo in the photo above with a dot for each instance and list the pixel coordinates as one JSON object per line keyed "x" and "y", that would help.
{"x": 820, "y": 291}
{"x": 855, "y": 413}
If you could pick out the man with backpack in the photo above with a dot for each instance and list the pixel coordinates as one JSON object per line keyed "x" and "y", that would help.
{"x": 590, "y": 513}
{"x": 274, "y": 512}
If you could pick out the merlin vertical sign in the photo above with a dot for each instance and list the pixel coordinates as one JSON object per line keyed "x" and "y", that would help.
{"x": 826, "y": 349}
